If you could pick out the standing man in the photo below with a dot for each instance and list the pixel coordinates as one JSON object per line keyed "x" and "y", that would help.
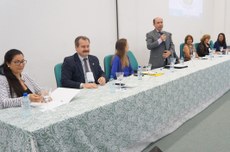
{"x": 82, "y": 70}
{"x": 161, "y": 45}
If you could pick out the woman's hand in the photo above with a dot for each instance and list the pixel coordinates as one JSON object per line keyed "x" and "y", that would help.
{"x": 35, "y": 98}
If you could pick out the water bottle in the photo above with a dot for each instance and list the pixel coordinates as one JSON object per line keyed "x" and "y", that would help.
{"x": 26, "y": 111}
{"x": 172, "y": 62}
{"x": 139, "y": 73}
{"x": 111, "y": 84}
{"x": 182, "y": 60}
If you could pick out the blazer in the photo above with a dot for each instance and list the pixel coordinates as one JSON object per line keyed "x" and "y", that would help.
{"x": 117, "y": 67}
{"x": 217, "y": 45}
{"x": 202, "y": 49}
{"x": 6, "y": 100}
{"x": 72, "y": 74}
{"x": 157, "y": 50}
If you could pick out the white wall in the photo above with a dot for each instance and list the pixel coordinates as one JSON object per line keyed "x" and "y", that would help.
{"x": 45, "y": 31}
{"x": 226, "y": 21}
{"x": 136, "y": 20}
{"x": 220, "y": 18}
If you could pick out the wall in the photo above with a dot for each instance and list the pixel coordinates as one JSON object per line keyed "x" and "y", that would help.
{"x": 136, "y": 20}
{"x": 45, "y": 31}
{"x": 220, "y": 18}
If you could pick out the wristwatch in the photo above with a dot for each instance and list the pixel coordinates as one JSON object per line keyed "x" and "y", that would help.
{"x": 81, "y": 85}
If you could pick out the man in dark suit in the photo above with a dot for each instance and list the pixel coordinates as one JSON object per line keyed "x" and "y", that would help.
{"x": 82, "y": 70}
{"x": 161, "y": 45}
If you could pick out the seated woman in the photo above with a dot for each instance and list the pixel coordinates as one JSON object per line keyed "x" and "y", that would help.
{"x": 220, "y": 42}
{"x": 120, "y": 61}
{"x": 13, "y": 83}
{"x": 188, "y": 47}
{"x": 203, "y": 46}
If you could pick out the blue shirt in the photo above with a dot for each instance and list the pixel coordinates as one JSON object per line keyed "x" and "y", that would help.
{"x": 117, "y": 67}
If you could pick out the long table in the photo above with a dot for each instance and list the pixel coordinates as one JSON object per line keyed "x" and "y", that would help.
{"x": 103, "y": 121}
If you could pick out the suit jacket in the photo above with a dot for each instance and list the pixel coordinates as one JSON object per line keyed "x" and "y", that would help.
{"x": 73, "y": 74}
{"x": 6, "y": 100}
{"x": 157, "y": 50}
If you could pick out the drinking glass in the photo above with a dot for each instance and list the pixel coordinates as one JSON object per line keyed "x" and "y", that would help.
{"x": 46, "y": 94}
{"x": 172, "y": 63}
{"x": 120, "y": 76}
{"x": 149, "y": 68}
{"x": 221, "y": 49}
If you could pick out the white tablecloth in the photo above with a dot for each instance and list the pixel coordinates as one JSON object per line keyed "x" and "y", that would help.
{"x": 98, "y": 120}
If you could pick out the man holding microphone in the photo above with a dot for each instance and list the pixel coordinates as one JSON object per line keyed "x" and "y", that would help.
{"x": 161, "y": 45}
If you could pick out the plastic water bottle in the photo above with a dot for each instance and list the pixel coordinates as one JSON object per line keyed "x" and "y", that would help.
{"x": 182, "y": 60}
{"x": 139, "y": 73}
{"x": 111, "y": 84}
{"x": 26, "y": 111}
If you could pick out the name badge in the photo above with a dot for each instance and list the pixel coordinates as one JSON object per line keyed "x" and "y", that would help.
{"x": 89, "y": 77}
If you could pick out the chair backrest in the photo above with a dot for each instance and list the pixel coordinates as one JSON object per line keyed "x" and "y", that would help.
{"x": 107, "y": 65}
{"x": 182, "y": 50}
{"x": 133, "y": 60}
{"x": 57, "y": 73}
{"x": 196, "y": 45}
{"x": 211, "y": 44}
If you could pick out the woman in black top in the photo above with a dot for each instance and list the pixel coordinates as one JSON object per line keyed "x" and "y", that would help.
{"x": 220, "y": 42}
{"x": 203, "y": 46}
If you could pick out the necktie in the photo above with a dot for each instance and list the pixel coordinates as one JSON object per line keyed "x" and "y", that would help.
{"x": 86, "y": 65}
{"x": 160, "y": 33}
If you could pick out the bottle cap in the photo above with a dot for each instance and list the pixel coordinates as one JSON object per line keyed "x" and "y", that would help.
{"x": 25, "y": 94}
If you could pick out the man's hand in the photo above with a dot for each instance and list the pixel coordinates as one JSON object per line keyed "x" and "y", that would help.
{"x": 166, "y": 54}
{"x": 90, "y": 85}
{"x": 101, "y": 81}
{"x": 163, "y": 37}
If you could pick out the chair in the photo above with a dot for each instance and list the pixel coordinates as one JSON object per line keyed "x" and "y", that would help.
{"x": 182, "y": 50}
{"x": 196, "y": 46}
{"x": 133, "y": 60}
{"x": 57, "y": 72}
{"x": 107, "y": 65}
{"x": 211, "y": 44}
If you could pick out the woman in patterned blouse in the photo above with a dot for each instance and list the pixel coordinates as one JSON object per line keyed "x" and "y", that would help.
{"x": 13, "y": 82}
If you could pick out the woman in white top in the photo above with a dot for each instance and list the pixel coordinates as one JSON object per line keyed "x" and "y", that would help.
{"x": 13, "y": 82}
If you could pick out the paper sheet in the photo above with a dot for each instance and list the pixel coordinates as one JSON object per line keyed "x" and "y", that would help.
{"x": 59, "y": 97}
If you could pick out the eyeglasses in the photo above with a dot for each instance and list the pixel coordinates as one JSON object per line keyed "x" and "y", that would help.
{"x": 20, "y": 62}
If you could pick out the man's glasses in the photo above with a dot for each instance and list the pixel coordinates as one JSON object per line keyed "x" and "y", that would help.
{"x": 20, "y": 62}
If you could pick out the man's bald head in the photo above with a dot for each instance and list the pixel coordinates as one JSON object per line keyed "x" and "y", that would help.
{"x": 158, "y": 23}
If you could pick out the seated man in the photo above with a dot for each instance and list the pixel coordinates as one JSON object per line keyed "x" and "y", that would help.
{"x": 82, "y": 70}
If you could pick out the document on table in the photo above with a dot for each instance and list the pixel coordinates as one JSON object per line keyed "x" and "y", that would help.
{"x": 59, "y": 97}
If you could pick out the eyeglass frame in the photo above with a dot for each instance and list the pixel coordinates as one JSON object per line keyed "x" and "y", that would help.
{"x": 19, "y": 62}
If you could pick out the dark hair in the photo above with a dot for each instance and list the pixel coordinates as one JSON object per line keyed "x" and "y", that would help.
{"x": 120, "y": 47}
{"x": 14, "y": 84}
{"x": 186, "y": 38}
{"x": 78, "y": 39}
{"x": 224, "y": 40}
